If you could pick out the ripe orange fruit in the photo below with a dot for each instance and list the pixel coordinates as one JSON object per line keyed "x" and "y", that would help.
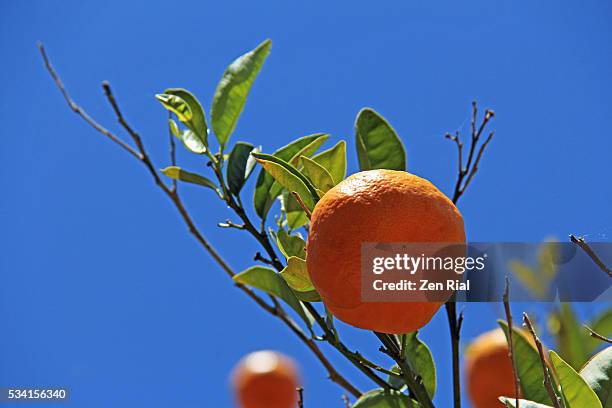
{"x": 375, "y": 206}
{"x": 489, "y": 370}
{"x": 266, "y": 379}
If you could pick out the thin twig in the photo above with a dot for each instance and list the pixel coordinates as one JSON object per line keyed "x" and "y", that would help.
{"x": 77, "y": 109}
{"x": 259, "y": 257}
{"x": 587, "y": 249}
{"x": 547, "y": 381}
{"x": 465, "y": 174}
{"x": 230, "y": 224}
{"x": 142, "y": 156}
{"x": 517, "y": 381}
{"x": 596, "y": 335}
{"x": 346, "y": 400}
{"x": 300, "y": 392}
{"x": 302, "y": 204}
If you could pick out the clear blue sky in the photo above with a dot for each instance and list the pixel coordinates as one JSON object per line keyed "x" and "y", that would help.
{"x": 102, "y": 288}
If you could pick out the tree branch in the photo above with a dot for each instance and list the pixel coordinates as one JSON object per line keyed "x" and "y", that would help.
{"x": 173, "y": 195}
{"x": 77, "y": 109}
{"x": 589, "y": 251}
{"x": 596, "y": 335}
{"x": 465, "y": 174}
{"x": 517, "y": 381}
{"x": 547, "y": 381}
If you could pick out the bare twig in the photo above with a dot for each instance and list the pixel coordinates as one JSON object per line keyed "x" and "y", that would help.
{"x": 230, "y": 224}
{"x": 547, "y": 381}
{"x": 346, "y": 400}
{"x": 173, "y": 195}
{"x": 465, "y": 174}
{"x": 302, "y": 204}
{"x": 300, "y": 392}
{"x": 77, "y": 109}
{"x": 259, "y": 257}
{"x": 596, "y": 335}
{"x": 589, "y": 251}
{"x": 517, "y": 381}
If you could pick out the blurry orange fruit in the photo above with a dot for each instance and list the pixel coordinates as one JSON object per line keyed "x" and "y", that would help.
{"x": 489, "y": 370}
{"x": 375, "y": 206}
{"x": 266, "y": 379}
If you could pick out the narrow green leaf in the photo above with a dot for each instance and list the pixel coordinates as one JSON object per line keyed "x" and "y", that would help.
{"x": 574, "y": 388}
{"x": 528, "y": 366}
{"x": 570, "y": 337}
{"x": 176, "y": 105}
{"x": 320, "y": 177}
{"x": 192, "y": 142}
{"x": 177, "y": 173}
{"x": 380, "y": 398}
{"x": 174, "y": 128}
{"x": 267, "y": 189}
{"x": 309, "y": 149}
{"x": 238, "y": 167}
{"x": 271, "y": 282}
{"x": 291, "y": 245}
{"x": 197, "y": 124}
{"x": 529, "y": 278}
{"x": 378, "y": 145}
{"x": 334, "y": 161}
{"x": 233, "y": 89}
{"x": 597, "y": 373}
{"x": 421, "y": 360}
{"x": 288, "y": 177}
{"x": 510, "y": 402}
{"x": 296, "y": 217}
{"x": 276, "y": 188}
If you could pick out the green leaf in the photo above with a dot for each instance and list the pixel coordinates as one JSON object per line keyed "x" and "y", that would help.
{"x": 510, "y": 402}
{"x": 239, "y": 167}
{"x": 381, "y": 399}
{"x": 289, "y": 177}
{"x": 233, "y": 89}
{"x": 197, "y": 123}
{"x": 334, "y": 161}
{"x": 176, "y": 105}
{"x": 296, "y": 276}
{"x": 378, "y": 146}
{"x": 575, "y": 389}
{"x": 597, "y": 373}
{"x": 177, "y": 173}
{"x": 320, "y": 177}
{"x": 271, "y": 282}
{"x": 291, "y": 245}
{"x": 296, "y": 217}
{"x": 174, "y": 128}
{"x": 420, "y": 359}
{"x": 528, "y": 366}
{"x": 602, "y": 324}
{"x": 570, "y": 337}
{"x": 267, "y": 189}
